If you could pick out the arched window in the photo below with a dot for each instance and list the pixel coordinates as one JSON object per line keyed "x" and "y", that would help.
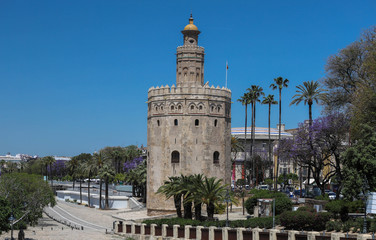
{"x": 179, "y": 107}
{"x": 200, "y": 107}
{"x": 175, "y": 157}
{"x": 158, "y": 123}
{"x": 215, "y": 122}
{"x": 212, "y": 108}
{"x": 197, "y": 122}
{"x": 216, "y": 157}
{"x": 162, "y": 108}
{"x": 172, "y": 108}
{"x": 175, "y": 122}
{"x": 192, "y": 107}
{"x": 156, "y": 108}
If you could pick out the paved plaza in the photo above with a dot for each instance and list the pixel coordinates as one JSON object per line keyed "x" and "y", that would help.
{"x": 70, "y": 218}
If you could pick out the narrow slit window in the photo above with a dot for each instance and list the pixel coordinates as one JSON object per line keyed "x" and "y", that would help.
{"x": 175, "y": 122}
{"x": 215, "y": 122}
{"x": 158, "y": 123}
{"x": 216, "y": 157}
{"x": 197, "y": 122}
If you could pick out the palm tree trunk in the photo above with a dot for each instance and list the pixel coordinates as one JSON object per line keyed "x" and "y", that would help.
{"x": 251, "y": 149}
{"x": 100, "y": 193}
{"x": 310, "y": 141}
{"x": 245, "y": 141}
{"x": 187, "y": 210}
{"x": 177, "y": 202}
{"x": 88, "y": 191}
{"x": 51, "y": 174}
{"x": 270, "y": 146}
{"x": 210, "y": 210}
{"x": 81, "y": 191}
{"x": 106, "y": 205}
{"x": 253, "y": 140}
{"x": 197, "y": 211}
{"x": 279, "y": 137}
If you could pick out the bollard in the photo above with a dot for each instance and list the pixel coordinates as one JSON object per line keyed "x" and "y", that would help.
{"x": 106, "y": 231}
{"x": 42, "y": 228}
{"x": 82, "y": 227}
{"x": 52, "y": 228}
{"x": 62, "y": 228}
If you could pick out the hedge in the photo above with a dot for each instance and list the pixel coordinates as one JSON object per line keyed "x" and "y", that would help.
{"x": 304, "y": 220}
{"x": 266, "y": 222}
{"x": 283, "y": 203}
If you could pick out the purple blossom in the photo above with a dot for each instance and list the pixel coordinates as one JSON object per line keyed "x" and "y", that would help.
{"x": 132, "y": 164}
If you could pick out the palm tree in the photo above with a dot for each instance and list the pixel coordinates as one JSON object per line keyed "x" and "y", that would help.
{"x": 309, "y": 93}
{"x": 72, "y": 166}
{"x": 193, "y": 196}
{"x": 255, "y": 93}
{"x": 245, "y": 100}
{"x": 48, "y": 161}
{"x": 90, "y": 168}
{"x": 171, "y": 188}
{"x": 106, "y": 172}
{"x": 99, "y": 163}
{"x": 211, "y": 192}
{"x": 79, "y": 172}
{"x": 270, "y": 101}
{"x": 279, "y": 83}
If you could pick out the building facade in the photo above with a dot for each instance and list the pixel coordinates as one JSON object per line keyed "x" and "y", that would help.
{"x": 189, "y": 125}
{"x": 260, "y": 148}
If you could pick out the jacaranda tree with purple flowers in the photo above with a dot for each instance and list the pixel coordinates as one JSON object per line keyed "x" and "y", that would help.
{"x": 323, "y": 153}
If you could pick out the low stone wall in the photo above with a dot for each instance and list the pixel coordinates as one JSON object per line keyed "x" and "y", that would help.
{"x": 165, "y": 232}
{"x": 116, "y": 202}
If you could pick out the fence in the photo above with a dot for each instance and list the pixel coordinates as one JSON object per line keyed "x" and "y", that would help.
{"x": 146, "y": 232}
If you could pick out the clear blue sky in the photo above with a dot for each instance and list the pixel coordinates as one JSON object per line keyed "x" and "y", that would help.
{"x": 74, "y": 75}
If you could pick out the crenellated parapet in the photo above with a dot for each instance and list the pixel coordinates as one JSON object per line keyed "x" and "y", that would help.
{"x": 193, "y": 89}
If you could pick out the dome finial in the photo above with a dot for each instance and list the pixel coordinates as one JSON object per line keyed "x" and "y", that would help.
{"x": 191, "y": 26}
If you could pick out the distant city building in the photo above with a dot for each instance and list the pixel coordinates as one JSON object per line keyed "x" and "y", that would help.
{"x": 189, "y": 125}
{"x": 261, "y": 148}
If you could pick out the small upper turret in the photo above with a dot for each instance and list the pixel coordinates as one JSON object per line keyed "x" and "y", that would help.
{"x": 190, "y": 33}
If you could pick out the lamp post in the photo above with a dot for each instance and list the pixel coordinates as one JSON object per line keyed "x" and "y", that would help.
{"x": 11, "y": 220}
{"x": 365, "y": 187}
{"x": 227, "y": 199}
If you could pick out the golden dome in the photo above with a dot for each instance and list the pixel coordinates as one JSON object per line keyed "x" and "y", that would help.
{"x": 191, "y": 26}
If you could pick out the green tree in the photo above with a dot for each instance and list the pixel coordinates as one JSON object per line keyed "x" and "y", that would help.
{"x": 212, "y": 191}
{"x": 24, "y": 194}
{"x": 270, "y": 101}
{"x": 107, "y": 172}
{"x": 279, "y": 83}
{"x": 90, "y": 169}
{"x": 48, "y": 161}
{"x": 171, "y": 188}
{"x": 360, "y": 164}
{"x": 255, "y": 92}
{"x": 245, "y": 101}
{"x": 309, "y": 93}
{"x": 72, "y": 166}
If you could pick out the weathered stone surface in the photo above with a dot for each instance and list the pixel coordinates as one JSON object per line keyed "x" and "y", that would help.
{"x": 190, "y": 118}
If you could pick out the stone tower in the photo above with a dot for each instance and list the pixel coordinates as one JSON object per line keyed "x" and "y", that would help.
{"x": 189, "y": 125}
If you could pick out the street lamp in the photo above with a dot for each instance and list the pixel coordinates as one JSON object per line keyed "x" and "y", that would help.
{"x": 227, "y": 199}
{"x": 365, "y": 187}
{"x": 11, "y": 220}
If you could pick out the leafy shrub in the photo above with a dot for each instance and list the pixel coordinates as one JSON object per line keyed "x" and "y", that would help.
{"x": 347, "y": 226}
{"x": 220, "y": 208}
{"x": 266, "y": 222}
{"x": 283, "y": 203}
{"x": 356, "y": 206}
{"x": 321, "y": 197}
{"x": 372, "y": 227}
{"x": 304, "y": 220}
{"x": 306, "y": 208}
{"x": 339, "y": 209}
{"x": 333, "y": 225}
